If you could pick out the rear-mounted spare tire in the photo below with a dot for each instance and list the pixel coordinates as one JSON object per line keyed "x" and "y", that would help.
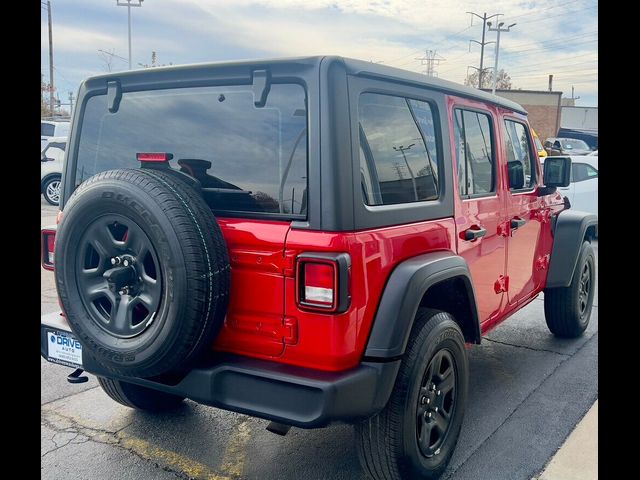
{"x": 142, "y": 271}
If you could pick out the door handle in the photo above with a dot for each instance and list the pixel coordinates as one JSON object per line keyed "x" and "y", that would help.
{"x": 517, "y": 223}
{"x": 474, "y": 233}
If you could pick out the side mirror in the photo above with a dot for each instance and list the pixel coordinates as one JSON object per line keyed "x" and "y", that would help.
{"x": 516, "y": 175}
{"x": 557, "y": 173}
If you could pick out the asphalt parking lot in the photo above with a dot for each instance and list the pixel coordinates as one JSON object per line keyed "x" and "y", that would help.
{"x": 527, "y": 392}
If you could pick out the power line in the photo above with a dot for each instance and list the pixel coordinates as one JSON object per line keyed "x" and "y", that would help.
{"x": 437, "y": 44}
{"x": 543, "y": 9}
{"x": 555, "y": 45}
{"x": 561, "y": 14}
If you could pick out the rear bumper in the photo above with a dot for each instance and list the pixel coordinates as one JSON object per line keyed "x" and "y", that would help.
{"x": 283, "y": 393}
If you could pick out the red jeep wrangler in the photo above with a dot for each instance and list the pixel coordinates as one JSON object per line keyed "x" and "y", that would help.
{"x": 306, "y": 240}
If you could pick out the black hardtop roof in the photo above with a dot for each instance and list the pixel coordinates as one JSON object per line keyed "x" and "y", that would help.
{"x": 353, "y": 66}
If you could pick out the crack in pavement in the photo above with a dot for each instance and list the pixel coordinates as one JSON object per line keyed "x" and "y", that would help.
{"x": 58, "y": 447}
{"x": 528, "y": 348}
{"x": 66, "y": 396}
{"x": 171, "y": 462}
{"x": 534, "y": 390}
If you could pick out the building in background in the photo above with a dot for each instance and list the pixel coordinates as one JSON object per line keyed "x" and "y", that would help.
{"x": 544, "y": 109}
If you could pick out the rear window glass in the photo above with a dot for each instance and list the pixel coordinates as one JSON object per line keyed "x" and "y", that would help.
{"x": 398, "y": 155}
{"x": 247, "y": 159}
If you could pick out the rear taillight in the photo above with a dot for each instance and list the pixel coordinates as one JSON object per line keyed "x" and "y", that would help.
{"x": 48, "y": 247}
{"x": 323, "y": 281}
{"x": 319, "y": 280}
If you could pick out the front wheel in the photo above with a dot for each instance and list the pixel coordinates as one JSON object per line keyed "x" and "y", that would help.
{"x": 568, "y": 310}
{"x": 415, "y": 434}
{"x": 51, "y": 191}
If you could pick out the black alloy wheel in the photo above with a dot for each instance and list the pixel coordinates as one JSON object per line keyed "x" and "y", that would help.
{"x": 119, "y": 274}
{"x": 436, "y": 403}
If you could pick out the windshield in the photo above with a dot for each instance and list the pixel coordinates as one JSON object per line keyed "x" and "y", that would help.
{"x": 247, "y": 159}
{"x": 574, "y": 144}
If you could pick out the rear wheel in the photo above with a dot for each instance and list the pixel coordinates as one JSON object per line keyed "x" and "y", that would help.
{"x": 415, "y": 434}
{"x": 51, "y": 191}
{"x": 568, "y": 310}
{"x": 138, "y": 397}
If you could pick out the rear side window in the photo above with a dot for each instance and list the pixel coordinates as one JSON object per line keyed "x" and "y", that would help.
{"x": 474, "y": 153}
{"x": 47, "y": 129}
{"x": 581, "y": 172}
{"x": 520, "y": 163}
{"x": 398, "y": 154}
{"x": 247, "y": 159}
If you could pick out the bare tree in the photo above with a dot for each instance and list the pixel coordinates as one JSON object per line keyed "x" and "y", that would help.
{"x": 504, "y": 80}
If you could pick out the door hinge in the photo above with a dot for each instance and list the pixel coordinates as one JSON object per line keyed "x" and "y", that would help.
{"x": 542, "y": 263}
{"x": 289, "y": 330}
{"x": 502, "y": 284}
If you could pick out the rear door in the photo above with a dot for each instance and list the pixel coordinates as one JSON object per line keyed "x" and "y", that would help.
{"x": 525, "y": 210}
{"x": 480, "y": 202}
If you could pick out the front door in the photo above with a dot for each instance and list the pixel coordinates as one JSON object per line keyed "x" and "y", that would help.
{"x": 480, "y": 204}
{"x": 524, "y": 211}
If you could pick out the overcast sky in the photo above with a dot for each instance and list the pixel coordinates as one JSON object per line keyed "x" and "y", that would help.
{"x": 556, "y": 37}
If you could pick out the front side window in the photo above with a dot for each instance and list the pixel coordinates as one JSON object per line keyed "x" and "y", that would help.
{"x": 520, "y": 162}
{"x": 474, "y": 153}
{"x": 398, "y": 152}
{"x": 247, "y": 158}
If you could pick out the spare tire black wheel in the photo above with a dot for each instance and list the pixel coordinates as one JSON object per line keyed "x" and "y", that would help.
{"x": 142, "y": 271}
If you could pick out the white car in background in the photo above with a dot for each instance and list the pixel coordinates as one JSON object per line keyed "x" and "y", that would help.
{"x": 582, "y": 191}
{"x": 52, "y": 128}
{"x": 51, "y": 162}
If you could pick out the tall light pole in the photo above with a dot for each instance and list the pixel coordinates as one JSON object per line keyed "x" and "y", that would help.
{"x": 51, "y": 101}
{"x": 495, "y": 65}
{"x": 402, "y": 149}
{"x": 128, "y": 4}
{"x": 484, "y": 19}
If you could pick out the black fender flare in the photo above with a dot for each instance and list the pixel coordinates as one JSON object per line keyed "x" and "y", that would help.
{"x": 404, "y": 290}
{"x": 569, "y": 229}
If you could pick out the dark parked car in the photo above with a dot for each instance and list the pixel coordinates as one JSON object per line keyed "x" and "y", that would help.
{"x": 566, "y": 146}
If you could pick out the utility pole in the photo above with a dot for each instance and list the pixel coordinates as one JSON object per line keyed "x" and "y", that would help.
{"x": 51, "y": 89}
{"x": 431, "y": 62}
{"x": 402, "y": 149}
{"x": 129, "y": 5}
{"x": 484, "y": 19}
{"x": 495, "y": 65}
{"x": 70, "y": 103}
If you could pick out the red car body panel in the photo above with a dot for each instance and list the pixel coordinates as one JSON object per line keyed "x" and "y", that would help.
{"x": 264, "y": 319}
